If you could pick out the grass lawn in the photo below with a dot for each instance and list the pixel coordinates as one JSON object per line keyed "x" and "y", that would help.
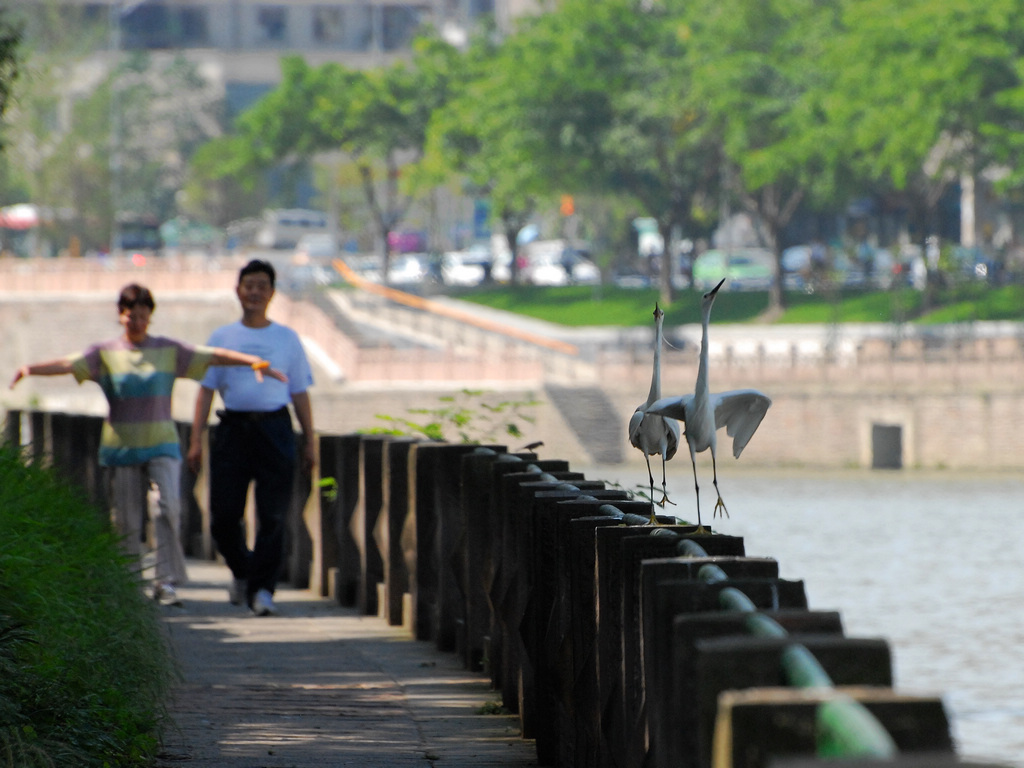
{"x": 609, "y": 305}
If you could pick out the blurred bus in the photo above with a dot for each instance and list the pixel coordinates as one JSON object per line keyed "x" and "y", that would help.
{"x": 137, "y": 234}
{"x": 282, "y": 227}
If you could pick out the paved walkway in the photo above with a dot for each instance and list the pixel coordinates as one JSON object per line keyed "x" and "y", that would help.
{"x": 320, "y": 685}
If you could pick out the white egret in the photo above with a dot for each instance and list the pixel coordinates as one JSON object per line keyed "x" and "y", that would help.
{"x": 655, "y": 435}
{"x": 704, "y": 413}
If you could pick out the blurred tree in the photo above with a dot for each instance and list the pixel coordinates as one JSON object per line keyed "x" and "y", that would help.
{"x": 481, "y": 135}
{"x": 118, "y": 140}
{"x": 949, "y": 76}
{"x": 51, "y": 40}
{"x": 10, "y": 39}
{"x": 376, "y": 118}
{"x": 753, "y": 67}
{"x": 383, "y": 129}
{"x": 163, "y": 110}
{"x": 590, "y": 96}
{"x": 275, "y": 131}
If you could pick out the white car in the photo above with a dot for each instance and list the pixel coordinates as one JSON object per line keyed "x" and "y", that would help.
{"x": 561, "y": 269}
{"x": 464, "y": 268}
{"x": 406, "y": 269}
{"x": 315, "y": 247}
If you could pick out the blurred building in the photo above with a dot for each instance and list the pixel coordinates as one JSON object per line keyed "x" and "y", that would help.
{"x": 238, "y": 44}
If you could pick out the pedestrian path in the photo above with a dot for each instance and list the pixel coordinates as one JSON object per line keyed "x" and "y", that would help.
{"x": 321, "y": 685}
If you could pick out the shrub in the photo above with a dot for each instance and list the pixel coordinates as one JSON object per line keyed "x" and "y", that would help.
{"x": 85, "y": 668}
{"x": 474, "y": 415}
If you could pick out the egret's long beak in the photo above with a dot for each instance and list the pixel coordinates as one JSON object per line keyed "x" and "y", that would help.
{"x": 714, "y": 290}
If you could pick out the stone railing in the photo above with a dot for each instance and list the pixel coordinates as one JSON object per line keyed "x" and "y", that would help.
{"x": 618, "y": 643}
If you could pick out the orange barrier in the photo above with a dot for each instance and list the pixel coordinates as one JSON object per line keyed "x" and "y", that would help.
{"x": 418, "y": 302}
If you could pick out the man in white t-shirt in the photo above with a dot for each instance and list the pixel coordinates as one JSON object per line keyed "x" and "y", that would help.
{"x": 255, "y": 440}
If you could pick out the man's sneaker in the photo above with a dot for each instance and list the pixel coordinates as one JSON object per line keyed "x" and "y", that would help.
{"x": 165, "y": 594}
{"x": 263, "y": 604}
{"x": 237, "y": 591}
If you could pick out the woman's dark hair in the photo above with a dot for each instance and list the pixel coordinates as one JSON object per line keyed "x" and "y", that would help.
{"x": 257, "y": 265}
{"x": 135, "y": 295}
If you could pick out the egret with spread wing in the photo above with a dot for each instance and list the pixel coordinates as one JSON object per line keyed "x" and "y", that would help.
{"x": 655, "y": 435}
{"x": 704, "y": 413}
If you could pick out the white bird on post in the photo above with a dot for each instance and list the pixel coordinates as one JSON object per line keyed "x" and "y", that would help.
{"x": 739, "y": 411}
{"x": 655, "y": 435}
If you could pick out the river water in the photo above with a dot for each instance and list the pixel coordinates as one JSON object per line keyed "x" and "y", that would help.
{"x": 932, "y": 562}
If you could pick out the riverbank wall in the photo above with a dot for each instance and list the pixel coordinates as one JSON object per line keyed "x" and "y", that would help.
{"x": 843, "y": 396}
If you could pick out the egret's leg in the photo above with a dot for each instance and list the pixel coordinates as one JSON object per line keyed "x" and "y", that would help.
{"x": 650, "y": 476}
{"x": 719, "y": 505}
{"x": 664, "y": 484}
{"x": 696, "y": 490}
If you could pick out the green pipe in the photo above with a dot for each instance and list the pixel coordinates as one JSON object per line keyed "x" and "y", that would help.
{"x": 712, "y": 574}
{"x": 844, "y": 727}
{"x": 803, "y": 670}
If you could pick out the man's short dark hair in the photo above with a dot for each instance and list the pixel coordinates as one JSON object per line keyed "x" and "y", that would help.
{"x": 135, "y": 295}
{"x": 258, "y": 265}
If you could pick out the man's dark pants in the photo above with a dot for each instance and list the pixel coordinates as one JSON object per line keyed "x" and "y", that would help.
{"x": 252, "y": 447}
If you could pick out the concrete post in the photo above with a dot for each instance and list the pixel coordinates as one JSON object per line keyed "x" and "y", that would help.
{"x": 391, "y": 524}
{"x": 364, "y": 520}
{"x": 341, "y": 461}
{"x": 589, "y": 743}
{"x": 12, "y": 429}
{"x": 303, "y": 521}
{"x": 553, "y": 609}
{"x": 732, "y": 663}
{"x": 482, "y": 528}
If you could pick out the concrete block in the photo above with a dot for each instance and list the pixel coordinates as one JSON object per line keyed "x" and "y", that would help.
{"x": 677, "y": 613}
{"x": 734, "y": 663}
{"x": 903, "y": 761}
{"x": 757, "y": 727}
{"x": 618, "y": 724}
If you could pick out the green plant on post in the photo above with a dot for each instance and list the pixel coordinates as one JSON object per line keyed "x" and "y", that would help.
{"x": 469, "y": 416}
{"x": 328, "y": 488}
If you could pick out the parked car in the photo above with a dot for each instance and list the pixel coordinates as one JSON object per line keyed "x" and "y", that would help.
{"x": 407, "y": 269}
{"x": 583, "y": 271}
{"x": 315, "y": 247}
{"x": 628, "y": 277}
{"x": 744, "y": 268}
{"x": 867, "y": 267}
{"x": 465, "y": 268}
{"x": 560, "y": 268}
{"x": 974, "y": 263}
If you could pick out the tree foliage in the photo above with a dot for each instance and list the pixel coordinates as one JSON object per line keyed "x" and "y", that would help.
{"x": 482, "y": 135}
{"x": 121, "y": 145}
{"x": 752, "y": 75}
{"x": 376, "y": 118}
{"x": 10, "y": 39}
{"x": 678, "y": 110}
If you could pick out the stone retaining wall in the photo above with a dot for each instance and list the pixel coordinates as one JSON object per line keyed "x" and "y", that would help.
{"x": 958, "y": 404}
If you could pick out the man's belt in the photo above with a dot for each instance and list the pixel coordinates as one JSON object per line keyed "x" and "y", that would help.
{"x": 253, "y": 416}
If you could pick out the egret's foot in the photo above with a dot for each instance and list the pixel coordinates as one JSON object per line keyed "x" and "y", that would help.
{"x": 653, "y": 520}
{"x": 665, "y": 500}
{"x": 702, "y": 531}
{"x": 720, "y": 505}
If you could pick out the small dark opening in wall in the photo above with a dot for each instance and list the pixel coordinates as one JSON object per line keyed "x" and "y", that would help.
{"x": 886, "y": 446}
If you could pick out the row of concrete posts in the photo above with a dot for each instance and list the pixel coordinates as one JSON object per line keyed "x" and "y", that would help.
{"x": 618, "y": 643}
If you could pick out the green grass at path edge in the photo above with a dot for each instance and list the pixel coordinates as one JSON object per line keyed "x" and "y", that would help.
{"x": 585, "y": 305}
{"x": 85, "y": 670}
